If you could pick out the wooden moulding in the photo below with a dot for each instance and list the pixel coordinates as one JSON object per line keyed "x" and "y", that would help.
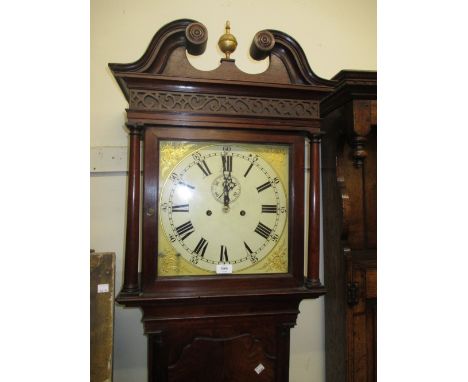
{"x": 130, "y": 284}
{"x": 313, "y": 262}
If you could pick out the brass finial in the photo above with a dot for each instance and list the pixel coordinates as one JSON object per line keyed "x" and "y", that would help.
{"x": 227, "y": 42}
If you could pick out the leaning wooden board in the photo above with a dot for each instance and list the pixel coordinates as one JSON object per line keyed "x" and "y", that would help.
{"x": 102, "y": 315}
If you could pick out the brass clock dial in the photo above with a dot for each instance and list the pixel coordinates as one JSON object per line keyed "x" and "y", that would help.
{"x": 223, "y": 208}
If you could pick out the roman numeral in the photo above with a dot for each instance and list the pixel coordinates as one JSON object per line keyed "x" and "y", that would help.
{"x": 223, "y": 255}
{"x": 187, "y": 185}
{"x": 201, "y": 246}
{"x": 204, "y": 167}
{"x": 269, "y": 208}
{"x": 248, "y": 248}
{"x": 248, "y": 170}
{"x": 180, "y": 208}
{"x": 263, "y": 230}
{"x": 227, "y": 162}
{"x": 263, "y": 187}
{"x": 185, "y": 229}
{"x": 253, "y": 258}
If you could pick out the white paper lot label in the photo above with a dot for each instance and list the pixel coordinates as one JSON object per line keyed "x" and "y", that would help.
{"x": 224, "y": 268}
{"x": 259, "y": 368}
{"x": 103, "y": 288}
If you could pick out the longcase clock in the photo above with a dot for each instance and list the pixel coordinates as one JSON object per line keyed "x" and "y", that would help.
{"x": 223, "y": 209}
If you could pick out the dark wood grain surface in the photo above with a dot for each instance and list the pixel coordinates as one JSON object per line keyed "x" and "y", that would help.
{"x": 349, "y": 178}
{"x": 130, "y": 284}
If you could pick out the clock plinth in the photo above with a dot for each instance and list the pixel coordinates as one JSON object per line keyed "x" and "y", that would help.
{"x": 223, "y": 209}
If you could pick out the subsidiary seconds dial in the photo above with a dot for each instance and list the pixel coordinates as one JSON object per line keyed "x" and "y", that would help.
{"x": 223, "y": 204}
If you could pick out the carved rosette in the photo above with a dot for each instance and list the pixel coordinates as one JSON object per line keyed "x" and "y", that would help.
{"x": 219, "y": 104}
{"x": 197, "y": 37}
{"x": 262, "y": 44}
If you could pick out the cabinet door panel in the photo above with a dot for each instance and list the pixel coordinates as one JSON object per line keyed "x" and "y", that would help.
{"x": 223, "y": 360}
{"x": 362, "y": 323}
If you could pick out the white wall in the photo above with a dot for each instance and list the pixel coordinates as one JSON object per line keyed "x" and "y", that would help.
{"x": 335, "y": 35}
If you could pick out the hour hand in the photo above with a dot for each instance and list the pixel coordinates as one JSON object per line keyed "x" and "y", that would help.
{"x": 226, "y": 193}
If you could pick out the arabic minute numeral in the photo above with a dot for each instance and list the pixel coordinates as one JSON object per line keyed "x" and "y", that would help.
{"x": 175, "y": 177}
{"x": 196, "y": 156}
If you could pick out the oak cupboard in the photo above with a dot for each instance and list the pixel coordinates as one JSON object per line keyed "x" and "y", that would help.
{"x": 349, "y": 181}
